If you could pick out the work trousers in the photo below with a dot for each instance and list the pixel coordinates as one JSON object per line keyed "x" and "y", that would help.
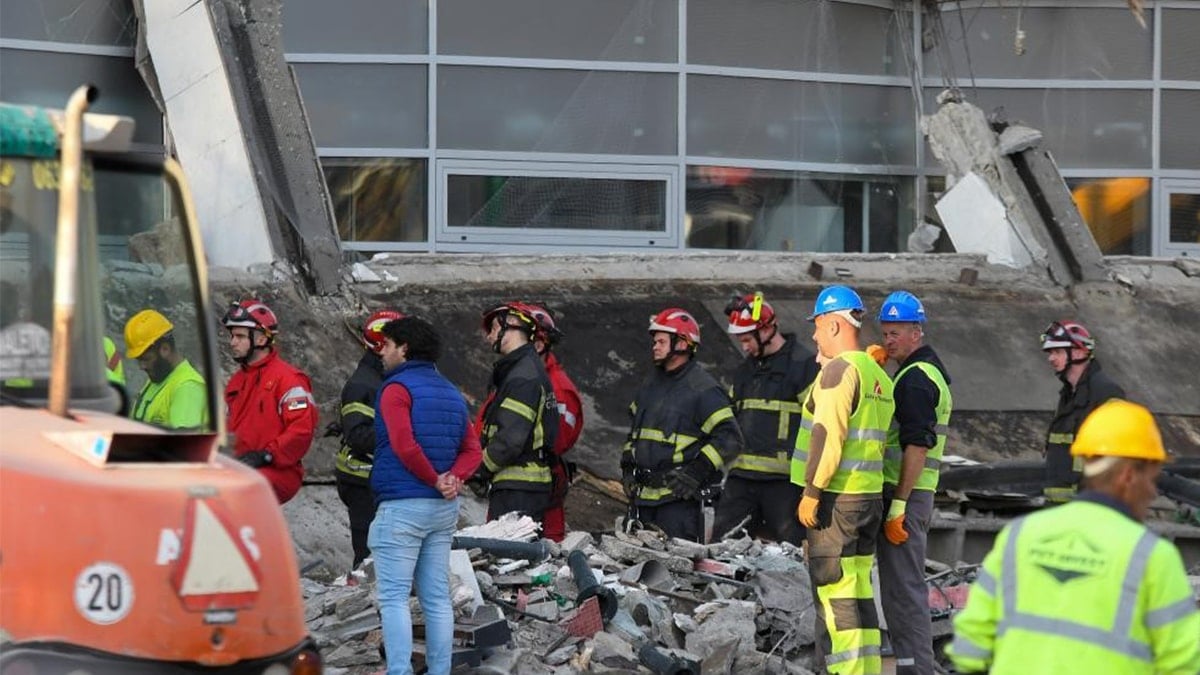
{"x": 360, "y": 504}
{"x": 840, "y": 552}
{"x": 680, "y": 518}
{"x": 902, "y": 589}
{"x": 525, "y": 502}
{"x": 770, "y": 504}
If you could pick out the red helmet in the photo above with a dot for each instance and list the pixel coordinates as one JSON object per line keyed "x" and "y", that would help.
{"x": 748, "y": 313}
{"x": 677, "y": 321}
{"x": 252, "y": 314}
{"x": 372, "y": 332}
{"x": 1067, "y": 334}
{"x": 523, "y": 311}
{"x": 546, "y": 330}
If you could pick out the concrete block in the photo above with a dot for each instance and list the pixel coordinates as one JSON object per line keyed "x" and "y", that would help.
{"x": 575, "y": 541}
{"x": 612, "y": 651}
{"x": 624, "y": 551}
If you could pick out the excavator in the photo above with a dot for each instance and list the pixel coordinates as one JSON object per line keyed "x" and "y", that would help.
{"x": 124, "y": 547}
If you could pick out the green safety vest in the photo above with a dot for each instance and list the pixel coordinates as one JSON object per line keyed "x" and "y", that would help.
{"x": 861, "y": 468}
{"x": 893, "y": 454}
{"x": 1079, "y": 588}
{"x": 114, "y": 369}
{"x": 178, "y": 402}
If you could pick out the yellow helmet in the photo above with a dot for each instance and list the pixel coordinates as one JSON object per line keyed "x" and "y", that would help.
{"x": 144, "y": 329}
{"x": 1119, "y": 428}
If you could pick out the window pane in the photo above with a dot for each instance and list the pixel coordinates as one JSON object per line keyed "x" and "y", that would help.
{"x": 612, "y": 30}
{"x": 356, "y": 26}
{"x": 767, "y": 210}
{"x": 1185, "y": 218}
{"x": 95, "y": 22}
{"x": 365, "y": 105}
{"x": 378, "y": 199}
{"x": 1117, "y": 211}
{"x": 1181, "y": 44}
{"x": 47, "y": 79}
{"x": 556, "y": 110}
{"x": 801, "y": 121}
{"x": 1059, "y": 43}
{"x": 788, "y": 35}
{"x": 1083, "y": 128}
{"x": 1180, "y": 119}
{"x": 557, "y": 202}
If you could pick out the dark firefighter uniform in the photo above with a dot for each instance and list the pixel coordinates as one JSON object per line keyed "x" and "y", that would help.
{"x": 767, "y": 394}
{"x": 679, "y": 418}
{"x": 354, "y": 459}
{"x": 1074, "y": 404}
{"x": 520, "y": 424}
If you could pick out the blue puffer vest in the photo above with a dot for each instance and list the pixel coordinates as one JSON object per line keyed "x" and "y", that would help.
{"x": 439, "y": 421}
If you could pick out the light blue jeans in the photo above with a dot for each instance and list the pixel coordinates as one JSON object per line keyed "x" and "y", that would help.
{"x": 410, "y": 538}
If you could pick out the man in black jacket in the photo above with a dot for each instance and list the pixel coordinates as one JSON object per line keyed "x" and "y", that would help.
{"x": 768, "y": 389}
{"x": 357, "y": 420}
{"x": 519, "y": 419}
{"x": 1071, "y": 352}
{"x": 683, "y": 432}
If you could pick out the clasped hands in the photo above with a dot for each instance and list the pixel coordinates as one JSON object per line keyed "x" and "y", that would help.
{"x": 449, "y": 485}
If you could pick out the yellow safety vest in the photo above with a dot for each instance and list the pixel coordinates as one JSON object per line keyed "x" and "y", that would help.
{"x": 893, "y": 454}
{"x": 155, "y": 402}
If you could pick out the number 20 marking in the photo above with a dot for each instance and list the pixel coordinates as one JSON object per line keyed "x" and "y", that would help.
{"x": 103, "y": 593}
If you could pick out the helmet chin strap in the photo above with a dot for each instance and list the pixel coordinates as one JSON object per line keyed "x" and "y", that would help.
{"x": 686, "y": 351}
{"x": 243, "y": 360}
{"x": 762, "y": 344}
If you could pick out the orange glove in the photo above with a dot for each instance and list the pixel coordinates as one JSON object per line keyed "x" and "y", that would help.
{"x": 878, "y": 353}
{"x": 893, "y": 527}
{"x": 806, "y": 513}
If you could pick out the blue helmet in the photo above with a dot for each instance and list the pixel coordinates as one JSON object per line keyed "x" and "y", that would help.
{"x": 902, "y": 307}
{"x": 836, "y": 299}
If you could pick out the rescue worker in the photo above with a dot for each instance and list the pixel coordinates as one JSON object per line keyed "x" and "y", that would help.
{"x": 1085, "y": 587}
{"x": 519, "y": 419}
{"x": 1071, "y": 352}
{"x": 839, "y": 463}
{"x": 767, "y": 390}
{"x": 174, "y": 395}
{"x": 911, "y": 462}
{"x": 269, "y": 402}
{"x": 570, "y": 421}
{"x": 683, "y": 432}
{"x": 114, "y": 371}
{"x": 357, "y": 421}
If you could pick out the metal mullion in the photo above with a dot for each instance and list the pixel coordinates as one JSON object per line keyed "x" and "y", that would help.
{"x": 557, "y": 64}
{"x": 66, "y": 48}
{"x": 1013, "y": 83}
{"x": 918, "y": 77}
{"x": 391, "y": 59}
{"x": 433, "y": 191}
{"x": 1192, "y": 85}
{"x": 815, "y": 167}
{"x": 1105, "y": 173}
{"x": 1160, "y": 226}
{"x": 526, "y": 156}
{"x": 798, "y": 75}
{"x": 675, "y": 228}
{"x": 354, "y": 152}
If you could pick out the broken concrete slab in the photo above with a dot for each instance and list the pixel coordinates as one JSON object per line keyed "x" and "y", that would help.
{"x": 719, "y": 621}
{"x": 625, "y": 551}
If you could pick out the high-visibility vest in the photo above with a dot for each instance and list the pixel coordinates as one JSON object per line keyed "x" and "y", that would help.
{"x": 155, "y": 402}
{"x": 114, "y": 369}
{"x": 861, "y": 468}
{"x": 1079, "y": 588}
{"x": 893, "y": 454}
{"x": 344, "y": 460}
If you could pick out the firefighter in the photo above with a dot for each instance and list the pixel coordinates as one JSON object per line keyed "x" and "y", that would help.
{"x": 357, "y": 425}
{"x": 519, "y": 420}
{"x": 839, "y": 464}
{"x": 911, "y": 462}
{"x": 1085, "y": 587}
{"x": 767, "y": 390}
{"x": 570, "y": 420}
{"x": 269, "y": 402}
{"x": 1071, "y": 352}
{"x": 174, "y": 396}
{"x": 683, "y": 432}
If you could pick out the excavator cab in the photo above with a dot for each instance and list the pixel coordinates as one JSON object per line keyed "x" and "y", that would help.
{"x": 126, "y": 546}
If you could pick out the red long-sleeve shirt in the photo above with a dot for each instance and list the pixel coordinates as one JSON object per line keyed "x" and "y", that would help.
{"x": 405, "y": 445}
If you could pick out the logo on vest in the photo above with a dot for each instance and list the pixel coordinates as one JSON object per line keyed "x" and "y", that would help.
{"x": 1068, "y": 556}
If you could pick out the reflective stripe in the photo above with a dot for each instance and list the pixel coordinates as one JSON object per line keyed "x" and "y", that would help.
{"x": 859, "y": 465}
{"x": 769, "y": 405}
{"x": 852, "y": 654}
{"x": 906, "y": 661}
{"x": 866, "y": 435}
{"x": 513, "y": 405}
{"x": 1117, "y": 639}
{"x": 360, "y": 408}
{"x": 986, "y": 582}
{"x": 1061, "y": 439}
{"x": 293, "y": 397}
{"x": 806, "y": 424}
{"x": 1162, "y": 616}
{"x": 761, "y": 463}
{"x": 718, "y": 416}
{"x": 566, "y": 415}
{"x": 713, "y": 456}
{"x": 941, "y": 429}
{"x": 653, "y": 494}
{"x": 893, "y": 454}
{"x": 963, "y": 646}
{"x": 524, "y": 473}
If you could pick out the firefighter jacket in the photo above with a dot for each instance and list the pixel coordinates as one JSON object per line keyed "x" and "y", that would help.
{"x": 923, "y": 405}
{"x": 1074, "y": 404}
{"x": 1079, "y": 588}
{"x": 520, "y": 422}
{"x": 767, "y": 394}
{"x": 270, "y": 406}
{"x": 180, "y": 401}
{"x": 677, "y": 418}
{"x": 570, "y": 407}
{"x": 357, "y": 453}
{"x": 844, "y": 424}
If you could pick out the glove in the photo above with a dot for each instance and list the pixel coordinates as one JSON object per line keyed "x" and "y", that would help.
{"x": 333, "y": 429}
{"x": 878, "y": 353}
{"x": 481, "y": 481}
{"x": 256, "y": 459}
{"x": 686, "y": 481}
{"x": 628, "y": 481}
{"x": 893, "y": 527}
{"x": 806, "y": 513}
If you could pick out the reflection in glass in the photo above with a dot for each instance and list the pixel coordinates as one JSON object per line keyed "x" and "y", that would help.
{"x": 1117, "y": 211}
{"x": 356, "y": 26}
{"x": 1185, "y": 218}
{"x": 1180, "y": 118}
{"x": 767, "y": 210}
{"x": 556, "y": 203}
{"x": 94, "y": 22}
{"x": 378, "y": 199}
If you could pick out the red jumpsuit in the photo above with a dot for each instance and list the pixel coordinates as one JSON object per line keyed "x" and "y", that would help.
{"x": 570, "y": 423}
{"x": 269, "y": 406}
